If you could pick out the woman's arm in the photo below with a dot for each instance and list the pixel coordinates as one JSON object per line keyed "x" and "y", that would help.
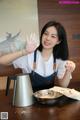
{"x": 70, "y": 67}
{"x": 8, "y": 58}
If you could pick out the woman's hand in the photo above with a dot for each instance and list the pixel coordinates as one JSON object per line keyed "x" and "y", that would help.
{"x": 70, "y": 66}
{"x": 32, "y": 44}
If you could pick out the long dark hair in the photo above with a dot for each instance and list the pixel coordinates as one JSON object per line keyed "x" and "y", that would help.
{"x": 60, "y": 50}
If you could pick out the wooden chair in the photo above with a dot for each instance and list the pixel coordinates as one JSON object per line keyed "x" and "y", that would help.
{"x": 10, "y": 72}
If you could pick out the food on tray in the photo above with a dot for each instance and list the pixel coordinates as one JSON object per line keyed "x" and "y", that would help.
{"x": 71, "y": 93}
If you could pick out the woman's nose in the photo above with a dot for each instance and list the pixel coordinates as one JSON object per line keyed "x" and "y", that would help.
{"x": 48, "y": 37}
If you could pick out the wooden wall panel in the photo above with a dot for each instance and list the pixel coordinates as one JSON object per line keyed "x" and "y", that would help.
{"x": 69, "y": 16}
{"x": 3, "y": 81}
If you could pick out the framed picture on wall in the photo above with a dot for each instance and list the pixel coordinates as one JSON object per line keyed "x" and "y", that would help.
{"x": 18, "y": 22}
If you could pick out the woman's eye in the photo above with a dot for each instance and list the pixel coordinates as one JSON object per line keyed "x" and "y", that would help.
{"x": 45, "y": 33}
{"x": 53, "y": 36}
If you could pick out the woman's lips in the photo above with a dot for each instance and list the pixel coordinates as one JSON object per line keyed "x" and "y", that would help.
{"x": 46, "y": 43}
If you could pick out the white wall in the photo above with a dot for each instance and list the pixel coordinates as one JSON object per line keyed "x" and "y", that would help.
{"x": 18, "y": 15}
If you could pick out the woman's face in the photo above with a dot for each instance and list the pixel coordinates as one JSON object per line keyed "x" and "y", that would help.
{"x": 50, "y": 38}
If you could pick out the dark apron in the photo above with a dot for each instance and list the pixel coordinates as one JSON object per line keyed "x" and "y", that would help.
{"x": 40, "y": 82}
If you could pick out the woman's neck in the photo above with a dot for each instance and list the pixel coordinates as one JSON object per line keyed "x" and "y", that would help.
{"x": 46, "y": 53}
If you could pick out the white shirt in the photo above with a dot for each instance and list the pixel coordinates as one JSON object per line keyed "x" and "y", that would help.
{"x": 44, "y": 68}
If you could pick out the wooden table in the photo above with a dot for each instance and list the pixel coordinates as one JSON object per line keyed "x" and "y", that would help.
{"x": 65, "y": 110}
{"x": 70, "y": 111}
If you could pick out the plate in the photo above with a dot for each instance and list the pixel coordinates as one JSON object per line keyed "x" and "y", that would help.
{"x": 47, "y": 96}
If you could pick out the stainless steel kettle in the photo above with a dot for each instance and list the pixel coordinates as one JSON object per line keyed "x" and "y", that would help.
{"x": 23, "y": 94}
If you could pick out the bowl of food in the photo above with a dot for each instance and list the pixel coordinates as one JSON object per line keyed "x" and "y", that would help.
{"x": 47, "y": 96}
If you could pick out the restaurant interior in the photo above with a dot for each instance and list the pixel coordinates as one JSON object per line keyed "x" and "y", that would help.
{"x": 67, "y": 13}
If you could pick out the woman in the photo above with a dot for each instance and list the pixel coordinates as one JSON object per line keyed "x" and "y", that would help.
{"x": 46, "y": 62}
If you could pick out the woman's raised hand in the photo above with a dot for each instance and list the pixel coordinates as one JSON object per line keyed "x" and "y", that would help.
{"x": 70, "y": 66}
{"x": 32, "y": 44}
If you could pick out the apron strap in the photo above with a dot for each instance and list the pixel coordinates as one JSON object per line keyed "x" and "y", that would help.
{"x": 34, "y": 63}
{"x": 54, "y": 65}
